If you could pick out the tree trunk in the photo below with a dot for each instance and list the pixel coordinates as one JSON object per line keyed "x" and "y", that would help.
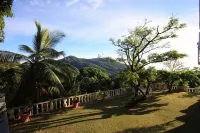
{"x": 144, "y": 95}
{"x": 169, "y": 88}
{"x": 135, "y": 99}
{"x": 148, "y": 86}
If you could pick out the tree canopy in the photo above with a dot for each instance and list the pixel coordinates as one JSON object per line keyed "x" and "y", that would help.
{"x": 5, "y": 10}
{"x": 144, "y": 40}
{"x": 170, "y": 78}
{"x": 138, "y": 49}
{"x": 95, "y": 80}
{"x": 40, "y": 72}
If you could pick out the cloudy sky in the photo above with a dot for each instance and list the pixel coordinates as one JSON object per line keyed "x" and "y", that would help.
{"x": 89, "y": 24}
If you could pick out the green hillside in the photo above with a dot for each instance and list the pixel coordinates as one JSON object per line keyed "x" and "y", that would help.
{"x": 108, "y": 65}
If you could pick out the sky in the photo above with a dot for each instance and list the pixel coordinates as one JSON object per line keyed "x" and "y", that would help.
{"x": 88, "y": 24}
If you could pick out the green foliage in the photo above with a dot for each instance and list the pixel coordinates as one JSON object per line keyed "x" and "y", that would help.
{"x": 136, "y": 50}
{"x": 41, "y": 75}
{"x": 5, "y": 11}
{"x": 190, "y": 78}
{"x": 107, "y": 64}
{"x": 126, "y": 79}
{"x": 93, "y": 80}
{"x": 148, "y": 77}
{"x": 169, "y": 78}
{"x": 151, "y": 74}
{"x": 143, "y": 40}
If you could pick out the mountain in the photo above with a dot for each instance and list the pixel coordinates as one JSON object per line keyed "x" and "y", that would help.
{"x": 112, "y": 67}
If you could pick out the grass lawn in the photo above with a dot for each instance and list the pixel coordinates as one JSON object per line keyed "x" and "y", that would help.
{"x": 169, "y": 113}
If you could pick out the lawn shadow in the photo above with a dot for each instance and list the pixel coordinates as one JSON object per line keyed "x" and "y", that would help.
{"x": 105, "y": 109}
{"x": 151, "y": 129}
{"x": 43, "y": 123}
{"x": 191, "y": 120}
{"x": 115, "y": 107}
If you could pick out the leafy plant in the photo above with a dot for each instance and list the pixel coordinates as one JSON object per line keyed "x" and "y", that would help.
{"x": 39, "y": 70}
{"x": 137, "y": 49}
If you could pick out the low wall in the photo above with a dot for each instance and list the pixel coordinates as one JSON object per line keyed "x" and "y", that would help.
{"x": 194, "y": 90}
{"x": 42, "y": 107}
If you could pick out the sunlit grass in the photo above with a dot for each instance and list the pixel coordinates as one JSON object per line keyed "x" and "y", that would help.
{"x": 161, "y": 112}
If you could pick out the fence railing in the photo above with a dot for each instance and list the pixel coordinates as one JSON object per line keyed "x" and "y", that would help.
{"x": 194, "y": 90}
{"x": 42, "y": 107}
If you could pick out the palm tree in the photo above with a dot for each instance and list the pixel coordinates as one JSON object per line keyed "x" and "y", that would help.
{"x": 40, "y": 71}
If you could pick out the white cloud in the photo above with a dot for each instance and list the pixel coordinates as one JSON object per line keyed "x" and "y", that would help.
{"x": 95, "y": 3}
{"x": 25, "y": 27}
{"x": 84, "y": 5}
{"x": 36, "y": 2}
{"x": 40, "y": 2}
{"x": 71, "y": 3}
{"x": 116, "y": 24}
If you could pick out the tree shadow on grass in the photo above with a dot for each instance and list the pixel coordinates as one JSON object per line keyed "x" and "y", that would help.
{"x": 115, "y": 107}
{"x": 42, "y": 123}
{"x": 105, "y": 109}
{"x": 191, "y": 124}
{"x": 191, "y": 120}
{"x": 151, "y": 129}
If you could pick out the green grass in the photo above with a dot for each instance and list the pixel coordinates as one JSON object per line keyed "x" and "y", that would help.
{"x": 170, "y": 113}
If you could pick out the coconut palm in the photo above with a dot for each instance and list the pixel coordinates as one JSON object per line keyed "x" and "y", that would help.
{"x": 40, "y": 71}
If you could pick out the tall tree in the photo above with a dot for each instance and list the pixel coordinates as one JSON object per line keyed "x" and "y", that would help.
{"x": 40, "y": 71}
{"x": 137, "y": 49}
{"x": 5, "y": 11}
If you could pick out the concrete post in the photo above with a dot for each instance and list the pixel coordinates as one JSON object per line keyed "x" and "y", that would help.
{"x": 3, "y": 116}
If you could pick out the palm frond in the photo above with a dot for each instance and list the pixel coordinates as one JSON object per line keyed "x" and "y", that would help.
{"x": 44, "y": 38}
{"x": 55, "y": 37}
{"x": 37, "y": 37}
{"x": 52, "y": 90}
{"x": 52, "y": 77}
{"x": 27, "y": 49}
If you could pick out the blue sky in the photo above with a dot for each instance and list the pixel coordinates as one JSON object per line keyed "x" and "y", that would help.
{"x": 89, "y": 24}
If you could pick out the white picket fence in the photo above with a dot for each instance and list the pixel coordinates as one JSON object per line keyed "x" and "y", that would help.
{"x": 42, "y": 107}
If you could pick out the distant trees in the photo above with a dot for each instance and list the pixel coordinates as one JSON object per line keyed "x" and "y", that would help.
{"x": 144, "y": 77}
{"x": 190, "y": 78}
{"x": 93, "y": 79}
{"x": 175, "y": 65}
{"x": 125, "y": 79}
{"x": 170, "y": 78}
{"x": 141, "y": 42}
{"x": 178, "y": 78}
